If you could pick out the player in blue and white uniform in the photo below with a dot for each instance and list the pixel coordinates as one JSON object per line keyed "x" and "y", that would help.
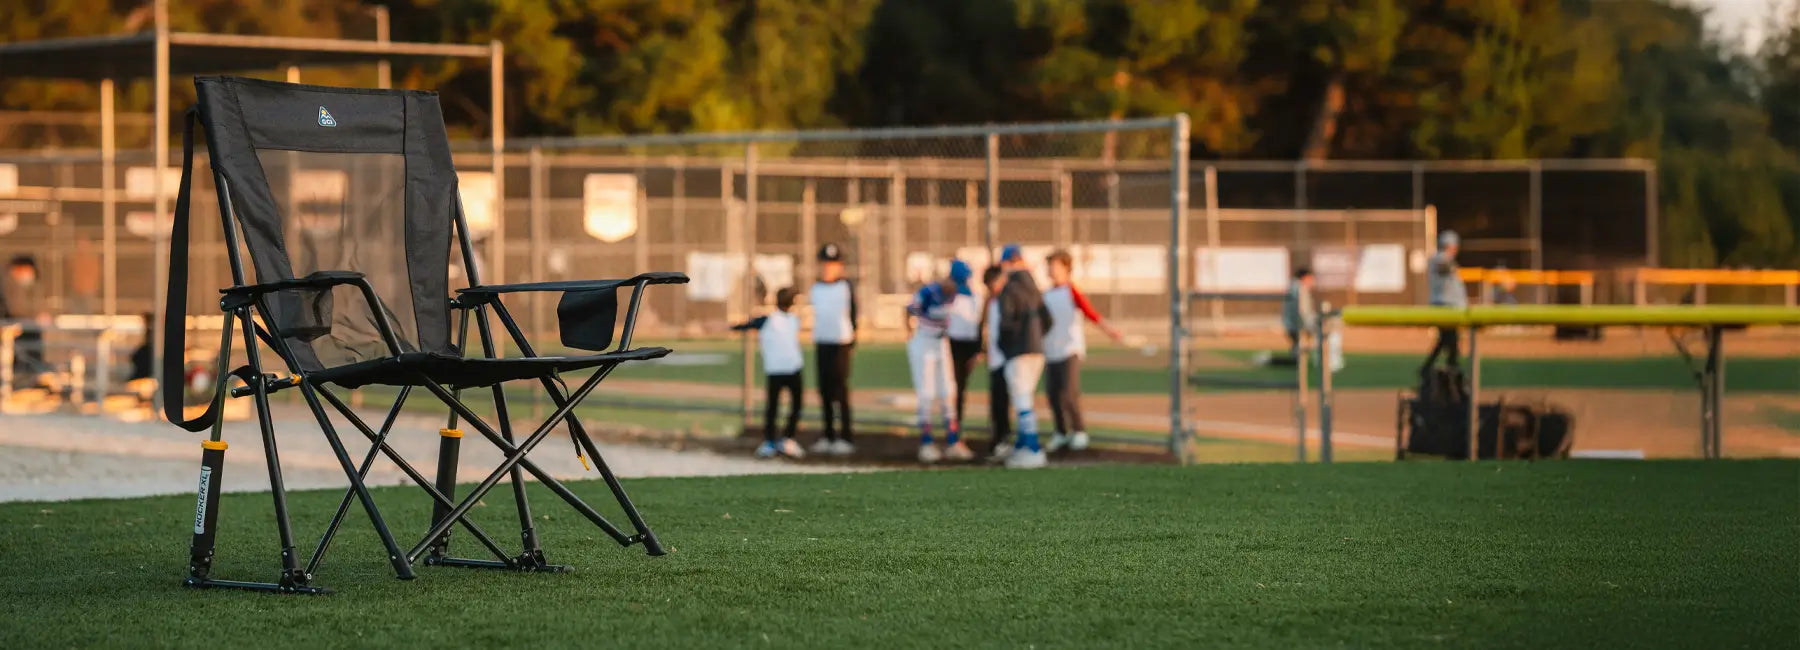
{"x": 934, "y": 384}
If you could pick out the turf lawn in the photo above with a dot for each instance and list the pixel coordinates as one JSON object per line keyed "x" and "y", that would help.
{"x": 1554, "y": 554}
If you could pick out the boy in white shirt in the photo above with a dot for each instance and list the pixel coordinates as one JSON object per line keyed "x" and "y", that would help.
{"x": 964, "y": 331}
{"x": 1064, "y": 347}
{"x": 778, "y": 338}
{"x": 833, "y": 301}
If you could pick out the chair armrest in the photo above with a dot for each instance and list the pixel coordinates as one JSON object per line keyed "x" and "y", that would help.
{"x": 587, "y": 313}
{"x": 484, "y": 293}
{"x": 240, "y": 296}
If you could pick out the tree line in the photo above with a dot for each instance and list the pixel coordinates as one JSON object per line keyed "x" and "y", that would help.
{"x": 1260, "y": 79}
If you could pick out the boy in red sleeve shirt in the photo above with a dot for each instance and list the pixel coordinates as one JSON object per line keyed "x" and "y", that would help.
{"x": 1064, "y": 347}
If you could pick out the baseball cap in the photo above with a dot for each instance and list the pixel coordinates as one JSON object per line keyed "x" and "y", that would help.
{"x": 1011, "y": 252}
{"x": 831, "y": 253}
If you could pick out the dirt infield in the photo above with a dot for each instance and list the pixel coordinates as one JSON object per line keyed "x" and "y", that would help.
{"x": 1661, "y": 424}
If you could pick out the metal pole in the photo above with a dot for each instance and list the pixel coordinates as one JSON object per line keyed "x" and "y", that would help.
{"x": 109, "y": 204}
{"x": 1215, "y": 307}
{"x": 1302, "y": 386}
{"x": 538, "y": 223}
{"x": 1715, "y": 389}
{"x": 160, "y": 149}
{"x": 1322, "y": 340}
{"x": 1178, "y": 200}
{"x": 1475, "y": 399}
{"x": 991, "y": 226}
{"x": 809, "y": 229}
{"x": 384, "y": 71}
{"x": 749, "y": 342}
{"x": 497, "y": 109}
{"x": 1113, "y": 235}
{"x": 1652, "y": 220}
{"x": 1536, "y": 223}
{"x": 896, "y": 225}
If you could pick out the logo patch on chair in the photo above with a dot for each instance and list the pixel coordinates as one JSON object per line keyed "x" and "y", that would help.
{"x": 325, "y": 118}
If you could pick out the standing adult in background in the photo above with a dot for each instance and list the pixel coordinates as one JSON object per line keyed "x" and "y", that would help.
{"x": 1299, "y": 313}
{"x": 1444, "y": 283}
{"x": 22, "y": 302}
{"x": 833, "y": 301}
{"x": 964, "y": 330}
{"x": 1024, "y": 320}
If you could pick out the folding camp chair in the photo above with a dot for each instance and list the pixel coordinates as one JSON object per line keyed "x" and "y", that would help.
{"x": 346, "y": 199}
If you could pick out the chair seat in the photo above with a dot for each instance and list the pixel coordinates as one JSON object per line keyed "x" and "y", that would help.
{"x": 413, "y": 368}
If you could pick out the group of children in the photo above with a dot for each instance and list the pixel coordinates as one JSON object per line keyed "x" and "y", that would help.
{"x": 1026, "y": 334}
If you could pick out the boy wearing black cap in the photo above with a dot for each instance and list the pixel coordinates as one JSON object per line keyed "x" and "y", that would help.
{"x": 833, "y": 303}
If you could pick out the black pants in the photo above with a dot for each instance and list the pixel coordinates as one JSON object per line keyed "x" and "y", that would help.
{"x": 999, "y": 408}
{"x": 962, "y": 358}
{"x": 28, "y": 358}
{"x": 1448, "y": 339}
{"x": 774, "y": 385}
{"x": 1063, "y": 381}
{"x": 1292, "y": 358}
{"x": 834, "y": 387}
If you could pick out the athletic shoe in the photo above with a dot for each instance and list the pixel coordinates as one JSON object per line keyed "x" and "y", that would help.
{"x": 959, "y": 452}
{"x": 790, "y": 448}
{"x": 1079, "y": 441}
{"x": 928, "y": 454}
{"x": 1002, "y": 453}
{"x": 767, "y": 450}
{"x": 1058, "y": 442}
{"x": 1027, "y": 459}
{"x": 822, "y": 446}
{"x": 842, "y": 447}
{"x": 1262, "y": 358}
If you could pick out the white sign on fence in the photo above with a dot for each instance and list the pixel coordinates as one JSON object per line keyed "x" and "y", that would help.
{"x": 1247, "y": 269}
{"x": 140, "y": 182}
{"x": 9, "y": 179}
{"x": 144, "y": 223}
{"x": 1381, "y": 269}
{"x": 609, "y": 206}
{"x": 477, "y": 192}
{"x": 714, "y": 276}
{"x": 1130, "y": 269}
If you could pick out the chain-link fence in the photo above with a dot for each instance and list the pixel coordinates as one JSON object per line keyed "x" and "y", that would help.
{"x": 743, "y": 214}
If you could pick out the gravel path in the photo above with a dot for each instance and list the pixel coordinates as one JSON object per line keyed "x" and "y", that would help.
{"x": 61, "y": 456}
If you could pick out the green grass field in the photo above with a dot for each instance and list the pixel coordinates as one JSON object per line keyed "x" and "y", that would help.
{"x": 1555, "y": 554}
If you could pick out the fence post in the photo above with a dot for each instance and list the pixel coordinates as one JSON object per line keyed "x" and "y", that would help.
{"x": 896, "y": 248}
{"x": 534, "y": 201}
{"x": 749, "y": 342}
{"x": 809, "y": 230}
{"x": 1178, "y": 199}
{"x": 1325, "y": 326}
{"x": 1216, "y": 307}
{"x": 991, "y": 227}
